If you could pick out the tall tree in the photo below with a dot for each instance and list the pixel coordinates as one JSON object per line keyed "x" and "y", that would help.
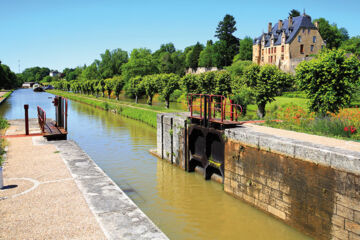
{"x": 224, "y": 32}
{"x": 245, "y": 50}
{"x": 111, "y": 62}
{"x": 331, "y": 33}
{"x": 294, "y": 13}
{"x": 352, "y": 45}
{"x": 206, "y": 58}
{"x": 141, "y": 63}
{"x": 192, "y": 57}
{"x": 8, "y": 78}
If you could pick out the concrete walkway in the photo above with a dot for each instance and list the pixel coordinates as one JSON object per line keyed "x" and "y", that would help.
{"x": 54, "y": 190}
{"x": 326, "y": 141}
{"x": 42, "y": 200}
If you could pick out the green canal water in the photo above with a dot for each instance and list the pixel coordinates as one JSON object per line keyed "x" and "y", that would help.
{"x": 182, "y": 204}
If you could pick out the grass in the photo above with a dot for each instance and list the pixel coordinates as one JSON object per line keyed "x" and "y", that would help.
{"x": 343, "y": 125}
{"x": 6, "y": 95}
{"x": 140, "y": 112}
{"x": 3, "y": 125}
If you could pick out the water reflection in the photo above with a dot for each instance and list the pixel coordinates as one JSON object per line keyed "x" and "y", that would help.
{"x": 182, "y": 204}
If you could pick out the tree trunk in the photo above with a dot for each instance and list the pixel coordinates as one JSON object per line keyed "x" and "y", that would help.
{"x": 149, "y": 102}
{"x": 117, "y": 97}
{"x": 261, "y": 110}
{"x": 167, "y": 102}
{"x": 103, "y": 94}
{"x": 136, "y": 98}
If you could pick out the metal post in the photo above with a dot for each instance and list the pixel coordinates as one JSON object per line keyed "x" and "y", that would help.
{"x": 66, "y": 113}
{"x": 26, "y": 107}
{"x": 231, "y": 110}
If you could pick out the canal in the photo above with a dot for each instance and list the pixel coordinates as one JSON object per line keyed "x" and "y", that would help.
{"x": 182, "y": 204}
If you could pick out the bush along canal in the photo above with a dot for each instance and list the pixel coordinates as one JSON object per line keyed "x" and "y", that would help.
{"x": 312, "y": 187}
{"x": 181, "y": 204}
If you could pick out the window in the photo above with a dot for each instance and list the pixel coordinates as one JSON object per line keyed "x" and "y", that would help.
{"x": 314, "y": 39}
{"x": 269, "y": 51}
{"x": 271, "y": 58}
{"x": 311, "y": 48}
{"x": 322, "y": 46}
{"x": 274, "y": 49}
{"x": 275, "y": 59}
{"x": 302, "y": 48}
{"x": 299, "y": 38}
{"x": 303, "y": 30}
{"x": 282, "y": 48}
{"x": 262, "y": 52}
{"x": 262, "y": 59}
{"x": 282, "y": 57}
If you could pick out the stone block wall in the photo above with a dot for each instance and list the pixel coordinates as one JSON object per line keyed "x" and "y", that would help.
{"x": 312, "y": 188}
{"x": 171, "y": 138}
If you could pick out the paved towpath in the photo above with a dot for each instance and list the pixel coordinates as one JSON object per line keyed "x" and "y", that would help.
{"x": 54, "y": 190}
{"x": 326, "y": 141}
{"x": 41, "y": 199}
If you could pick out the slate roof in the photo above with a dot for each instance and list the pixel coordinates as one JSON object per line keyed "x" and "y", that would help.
{"x": 290, "y": 32}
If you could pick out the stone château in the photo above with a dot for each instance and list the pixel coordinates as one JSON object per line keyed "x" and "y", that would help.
{"x": 288, "y": 43}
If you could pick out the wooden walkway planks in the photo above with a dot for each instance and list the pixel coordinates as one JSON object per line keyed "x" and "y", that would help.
{"x": 52, "y": 132}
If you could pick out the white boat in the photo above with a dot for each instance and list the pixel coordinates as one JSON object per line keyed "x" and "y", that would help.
{"x": 38, "y": 88}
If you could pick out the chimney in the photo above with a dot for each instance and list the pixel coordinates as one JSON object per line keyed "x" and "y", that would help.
{"x": 280, "y": 24}
{"x": 269, "y": 27}
{"x": 317, "y": 24}
{"x": 290, "y": 21}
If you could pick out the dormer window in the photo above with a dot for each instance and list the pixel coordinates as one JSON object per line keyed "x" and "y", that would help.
{"x": 299, "y": 38}
{"x": 314, "y": 39}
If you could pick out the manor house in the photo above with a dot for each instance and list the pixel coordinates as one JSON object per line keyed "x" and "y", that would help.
{"x": 288, "y": 43}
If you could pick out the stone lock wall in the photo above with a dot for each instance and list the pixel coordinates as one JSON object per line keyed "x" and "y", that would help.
{"x": 171, "y": 132}
{"x": 314, "y": 188}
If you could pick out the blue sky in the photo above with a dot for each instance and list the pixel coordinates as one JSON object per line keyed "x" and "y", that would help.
{"x": 60, "y": 34}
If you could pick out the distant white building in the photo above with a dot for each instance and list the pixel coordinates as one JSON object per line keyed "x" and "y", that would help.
{"x": 28, "y": 84}
{"x": 54, "y": 73}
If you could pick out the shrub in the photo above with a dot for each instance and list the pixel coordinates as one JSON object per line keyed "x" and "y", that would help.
{"x": 329, "y": 80}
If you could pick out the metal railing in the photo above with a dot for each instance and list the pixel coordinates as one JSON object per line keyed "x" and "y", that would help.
{"x": 214, "y": 108}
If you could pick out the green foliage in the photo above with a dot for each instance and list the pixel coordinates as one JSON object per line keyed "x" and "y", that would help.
{"x": 206, "y": 58}
{"x": 329, "y": 80}
{"x": 118, "y": 85}
{"x": 192, "y": 57}
{"x": 109, "y": 86}
{"x": 352, "y": 45}
{"x": 332, "y": 35}
{"x": 111, "y": 62}
{"x": 245, "y": 50}
{"x": 224, "y": 32}
{"x": 150, "y": 85}
{"x": 141, "y": 63}
{"x": 237, "y": 70}
{"x": 168, "y": 84}
{"x": 101, "y": 87}
{"x": 91, "y": 72}
{"x": 34, "y": 74}
{"x": 8, "y": 79}
{"x": 3, "y": 123}
{"x": 135, "y": 87}
{"x": 243, "y": 96}
{"x": 265, "y": 81}
{"x": 294, "y": 13}
{"x": 222, "y": 83}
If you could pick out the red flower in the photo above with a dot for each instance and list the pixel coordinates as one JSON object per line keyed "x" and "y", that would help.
{"x": 346, "y": 129}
